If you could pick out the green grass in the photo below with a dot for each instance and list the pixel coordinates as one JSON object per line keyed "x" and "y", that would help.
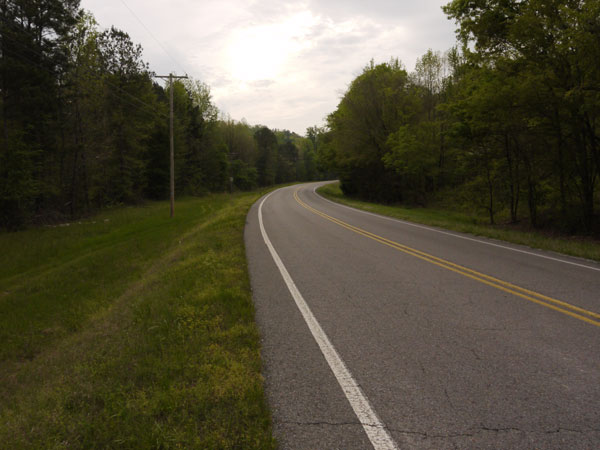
{"x": 132, "y": 330}
{"x": 457, "y": 221}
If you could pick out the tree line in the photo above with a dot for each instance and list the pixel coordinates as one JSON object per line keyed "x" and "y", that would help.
{"x": 507, "y": 122}
{"x": 85, "y": 124}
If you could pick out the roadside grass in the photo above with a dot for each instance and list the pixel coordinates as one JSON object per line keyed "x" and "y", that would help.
{"x": 132, "y": 330}
{"x": 472, "y": 224}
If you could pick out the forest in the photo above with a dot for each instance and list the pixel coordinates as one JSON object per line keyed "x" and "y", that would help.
{"x": 506, "y": 123}
{"x": 85, "y": 124}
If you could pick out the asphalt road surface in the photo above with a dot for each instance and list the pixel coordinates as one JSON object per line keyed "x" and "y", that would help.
{"x": 381, "y": 334}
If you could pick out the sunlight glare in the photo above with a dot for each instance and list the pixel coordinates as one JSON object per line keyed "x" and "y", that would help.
{"x": 261, "y": 52}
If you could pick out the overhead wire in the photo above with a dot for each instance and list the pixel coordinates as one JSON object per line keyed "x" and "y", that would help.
{"x": 141, "y": 103}
{"x": 153, "y": 37}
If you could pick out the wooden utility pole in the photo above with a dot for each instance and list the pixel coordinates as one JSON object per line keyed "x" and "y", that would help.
{"x": 170, "y": 77}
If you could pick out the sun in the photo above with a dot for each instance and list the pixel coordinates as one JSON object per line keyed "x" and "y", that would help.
{"x": 255, "y": 54}
{"x": 262, "y": 52}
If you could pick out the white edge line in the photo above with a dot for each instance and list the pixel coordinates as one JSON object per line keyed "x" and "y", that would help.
{"x": 454, "y": 235}
{"x": 373, "y": 426}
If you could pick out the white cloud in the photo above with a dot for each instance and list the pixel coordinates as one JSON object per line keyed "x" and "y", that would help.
{"x": 281, "y": 64}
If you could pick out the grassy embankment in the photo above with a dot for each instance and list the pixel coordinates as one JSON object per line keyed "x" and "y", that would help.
{"x": 132, "y": 330}
{"x": 457, "y": 221}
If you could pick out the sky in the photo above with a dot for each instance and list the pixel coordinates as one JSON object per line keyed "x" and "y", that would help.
{"x": 283, "y": 64}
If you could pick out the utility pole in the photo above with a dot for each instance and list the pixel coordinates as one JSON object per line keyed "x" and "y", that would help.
{"x": 170, "y": 77}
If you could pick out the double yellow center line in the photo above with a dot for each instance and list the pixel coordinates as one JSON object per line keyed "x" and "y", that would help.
{"x": 549, "y": 302}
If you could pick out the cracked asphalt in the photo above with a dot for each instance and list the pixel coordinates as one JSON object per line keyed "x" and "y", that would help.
{"x": 445, "y": 360}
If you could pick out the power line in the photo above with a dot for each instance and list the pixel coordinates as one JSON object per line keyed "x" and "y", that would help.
{"x": 172, "y": 77}
{"x": 153, "y": 37}
{"x": 39, "y": 53}
{"x": 141, "y": 103}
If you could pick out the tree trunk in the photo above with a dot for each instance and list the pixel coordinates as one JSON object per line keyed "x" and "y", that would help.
{"x": 4, "y": 22}
{"x": 490, "y": 185}
{"x": 593, "y": 141}
{"x": 513, "y": 191}
{"x": 561, "y": 166}
{"x": 587, "y": 181}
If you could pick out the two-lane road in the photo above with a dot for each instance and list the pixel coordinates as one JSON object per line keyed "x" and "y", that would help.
{"x": 378, "y": 333}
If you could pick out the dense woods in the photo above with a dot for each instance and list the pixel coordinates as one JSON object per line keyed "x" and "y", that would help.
{"x": 85, "y": 124}
{"x": 506, "y": 123}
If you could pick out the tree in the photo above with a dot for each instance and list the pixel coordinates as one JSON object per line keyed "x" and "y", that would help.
{"x": 130, "y": 114}
{"x": 377, "y": 103}
{"x": 287, "y": 156}
{"x": 409, "y": 155}
{"x": 31, "y": 65}
{"x": 429, "y": 133}
{"x": 429, "y": 76}
{"x": 266, "y": 142}
{"x": 201, "y": 157}
{"x": 81, "y": 113}
{"x": 555, "y": 44}
{"x": 239, "y": 138}
{"x": 84, "y": 126}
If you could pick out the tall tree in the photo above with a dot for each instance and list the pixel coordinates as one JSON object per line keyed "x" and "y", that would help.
{"x": 31, "y": 65}
{"x": 377, "y": 103}
{"x": 266, "y": 142}
{"x": 131, "y": 114}
{"x": 287, "y": 157}
{"x": 557, "y": 43}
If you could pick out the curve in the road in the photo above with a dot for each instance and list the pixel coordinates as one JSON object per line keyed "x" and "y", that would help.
{"x": 458, "y": 236}
{"x": 446, "y": 361}
{"x": 532, "y": 296}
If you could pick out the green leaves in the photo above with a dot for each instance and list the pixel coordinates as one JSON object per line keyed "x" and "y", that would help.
{"x": 510, "y": 124}
{"x": 266, "y": 142}
{"x": 376, "y": 104}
